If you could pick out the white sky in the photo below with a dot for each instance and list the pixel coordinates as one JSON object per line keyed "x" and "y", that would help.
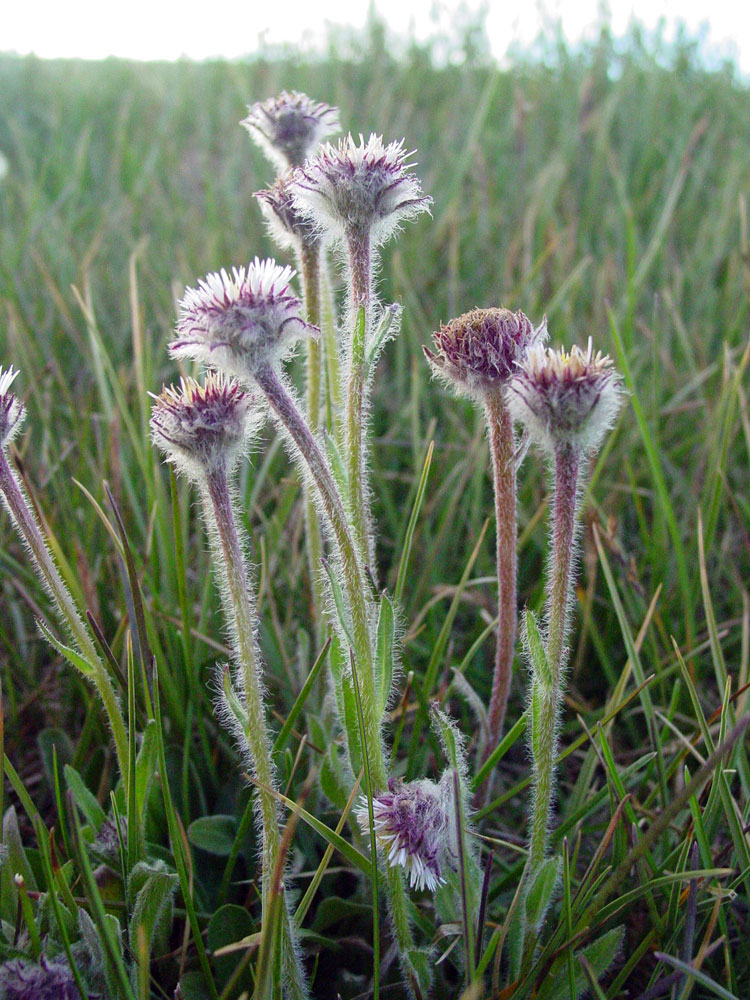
{"x": 167, "y": 29}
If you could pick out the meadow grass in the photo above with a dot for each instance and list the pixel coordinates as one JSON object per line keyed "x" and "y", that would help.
{"x": 605, "y": 188}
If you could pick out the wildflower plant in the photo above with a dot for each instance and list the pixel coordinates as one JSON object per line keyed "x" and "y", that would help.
{"x": 358, "y": 194}
{"x": 203, "y": 431}
{"x": 174, "y": 875}
{"x": 477, "y": 355}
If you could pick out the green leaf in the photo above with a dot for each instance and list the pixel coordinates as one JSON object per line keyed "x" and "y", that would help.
{"x": 386, "y": 636}
{"x": 351, "y": 722}
{"x": 84, "y": 799}
{"x": 600, "y": 954}
{"x": 151, "y": 888}
{"x": 145, "y": 766}
{"x": 78, "y": 661}
{"x": 49, "y": 740}
{"x": 333, "y": 910}
{"x": 536, "y": 652}
{"x": 332, "y": 781}
{"x": 421, "y": 964}
{"x": 229, "y": 924}
{"x": 339, "y": 602}
{"x": 388, "y": 328}
{"x": 214, "y": 834}
{"x": 540, "y": 891}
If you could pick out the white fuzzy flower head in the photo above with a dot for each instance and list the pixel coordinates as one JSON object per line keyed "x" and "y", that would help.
{"x": 481, "y": 350}
{"x": 353, "y": 190}
{"x": 289, "y": 127}
{"x": 204, "y": 428}
{"x": 566, "y": 398}
{"x": 414, "y": 827}
{"x": 12, "y": 410}
{"x": 239, "y": 321}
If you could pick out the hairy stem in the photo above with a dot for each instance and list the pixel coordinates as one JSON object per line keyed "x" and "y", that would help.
{"x": 502, "y": 447}
{"x": 546, "y": 700}
{"x": 28, "y": 527}
{"x": 309, "y": 257}
{"x": 307, "y": 450}
{"x": 360, "y": 268}
{"x": 241, "y": 615}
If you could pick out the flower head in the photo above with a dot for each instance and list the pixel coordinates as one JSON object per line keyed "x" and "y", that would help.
{"x": 235, "y": 322}
{"x": 565, "y": 397}
{"x": 354, "y": 189}
{"x": 414, "y": 827}
{"x": 286, "y": 224}
{"x": 50, "y": 979}
{"x": 482, "y": 349}
{"x": 289, "y": 127}
{"x": 202, "y": 428}
{"x": 12, "y": 410}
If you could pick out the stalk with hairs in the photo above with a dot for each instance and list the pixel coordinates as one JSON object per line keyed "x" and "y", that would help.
{"x": 566, "y": 402}
{"x": 358, "y": 194}
{"x": 204, "y": 430}
{"x": 477, "y": 354}
{"x": 85, "y": 655}
{"x": 288, "y": 128}
{"x": 245, "y": 324}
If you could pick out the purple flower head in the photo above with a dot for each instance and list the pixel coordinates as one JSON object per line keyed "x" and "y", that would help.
{"x": 12, "y": 410}
{"x": 202, "y": 428}
{"x": 50, "y": 979}
{"x": 286, "y": 224}
{"x": 414, "y": 827}
{"x": 354, "y": 190}
{"x": 481, "y": 350}
{"x": 236, "y": 322}
{"x": 566, "y": 398}
{"x": 289, "y": 127}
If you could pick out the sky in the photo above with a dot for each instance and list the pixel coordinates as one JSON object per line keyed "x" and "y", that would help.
{"x": 168, "y": 29}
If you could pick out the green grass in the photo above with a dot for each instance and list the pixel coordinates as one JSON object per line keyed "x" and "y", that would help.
{"x": 607, "y": 188}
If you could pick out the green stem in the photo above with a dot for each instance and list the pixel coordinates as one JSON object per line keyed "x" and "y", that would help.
{"x": 27, "y": 526}
{"x": 241, "y": 616}
{"x": 360, "y": 272}
{"x": 307, "y": 450}
{"x": 559, "y": 584}
{"x": 309, "y": 257}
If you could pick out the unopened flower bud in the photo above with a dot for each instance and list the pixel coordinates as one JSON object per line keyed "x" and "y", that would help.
{"x": 289, "y": 127}
{"x": 201, "y": 428}
{"x": 482, "y": 349}
{"x": 286, "y": 224}
{"x": 566, "y": 398}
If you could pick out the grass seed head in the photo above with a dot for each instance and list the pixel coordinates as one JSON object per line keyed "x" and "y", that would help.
{"x": 289, "y": 127}
{"x": 566, "y": 397}
{"x": 360, "y": 189}
{"x": 481, "y": 350}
